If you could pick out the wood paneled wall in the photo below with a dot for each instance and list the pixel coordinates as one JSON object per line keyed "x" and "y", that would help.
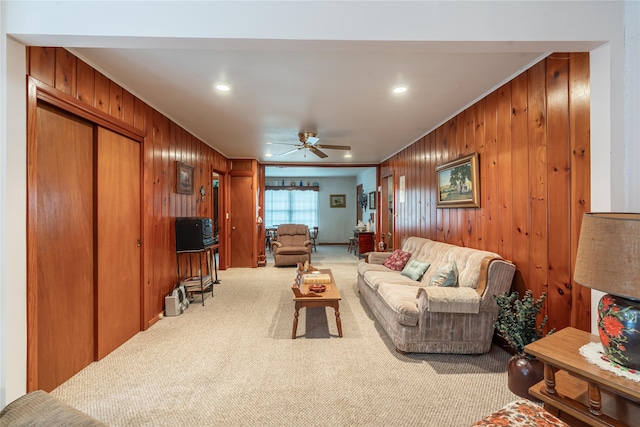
{"x": 164, "y": 144}
{"x": 532, "y": 136}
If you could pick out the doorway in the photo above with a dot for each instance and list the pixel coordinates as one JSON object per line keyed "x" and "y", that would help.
{"x": 220, "y": 228}
{"x": 359, "y": 193}
{"x": 386, "y": 212}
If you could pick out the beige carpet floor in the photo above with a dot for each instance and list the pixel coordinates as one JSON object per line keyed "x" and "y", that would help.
{"x": 232, "y": 362}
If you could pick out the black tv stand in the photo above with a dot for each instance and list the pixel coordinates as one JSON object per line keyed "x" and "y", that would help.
{"x": 200, "y": 282}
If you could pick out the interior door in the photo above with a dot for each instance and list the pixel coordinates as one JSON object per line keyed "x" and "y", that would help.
{"x": 242, "y": 221}
{"x": 118, "y": 234}
{"x": 64, "y": 249}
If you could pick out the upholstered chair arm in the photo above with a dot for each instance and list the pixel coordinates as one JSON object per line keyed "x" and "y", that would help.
{"x": 437, "y": 299}
{"x": 498, "y": 277}
{"x": 308, "y": 242}
{"x": 275, "y": 245}
{"x": 378, "y": 257}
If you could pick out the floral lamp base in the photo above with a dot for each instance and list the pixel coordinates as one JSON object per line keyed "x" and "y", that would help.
{"x": 619, "y": 329}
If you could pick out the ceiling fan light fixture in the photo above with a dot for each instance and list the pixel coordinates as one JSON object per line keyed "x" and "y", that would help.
{"x": 305, "y": 136}
{"x": 223, "y": 87}
{"x": 400, "y": 89}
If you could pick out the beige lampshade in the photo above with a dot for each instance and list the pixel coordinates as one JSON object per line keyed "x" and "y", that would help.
{"x": 608, "y": 257}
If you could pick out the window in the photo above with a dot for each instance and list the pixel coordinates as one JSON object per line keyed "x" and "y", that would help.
{"x": 291, "y": 207}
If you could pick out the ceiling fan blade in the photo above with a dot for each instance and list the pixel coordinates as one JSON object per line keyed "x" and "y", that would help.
{"x": 290, "y": 151}
{"x": 312, "y": 140}
{"x": 317, "y": 152}
{"x": 334, "y": 147}
{"x": 281, "y": 143}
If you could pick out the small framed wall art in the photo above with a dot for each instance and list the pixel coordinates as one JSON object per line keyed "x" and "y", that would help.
{"x": 184, "y": 178}
{"x": 458, "y": 183}
{"x": 338, "y": 200}
{"x": 372, "y": 200}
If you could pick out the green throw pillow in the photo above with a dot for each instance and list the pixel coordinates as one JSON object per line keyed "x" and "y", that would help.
{"x": 415, "y": 269}
{"x": 446, "y": 276}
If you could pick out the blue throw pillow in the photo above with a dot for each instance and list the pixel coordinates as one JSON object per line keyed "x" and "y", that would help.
{"x": 446, "y": 276}
{"x": 415, "y": 269}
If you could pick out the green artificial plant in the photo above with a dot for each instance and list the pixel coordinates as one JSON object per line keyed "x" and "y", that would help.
{"x": 517, "y": 319}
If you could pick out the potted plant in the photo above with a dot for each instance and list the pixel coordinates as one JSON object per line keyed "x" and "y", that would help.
{"x": 518, "y": 323}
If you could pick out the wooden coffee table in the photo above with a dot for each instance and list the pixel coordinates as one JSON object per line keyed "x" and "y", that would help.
{"x": 303, "y": 297}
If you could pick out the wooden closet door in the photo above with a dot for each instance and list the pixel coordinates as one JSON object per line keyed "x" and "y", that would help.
{"x": 64, "y": 284}
{"x": 242, "y": 221}
{"x": 118, "y": 234}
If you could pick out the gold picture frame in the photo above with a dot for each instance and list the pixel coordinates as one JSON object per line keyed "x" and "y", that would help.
{"x": 338, "y": 200}
{"x": 458, "y": 183}
{"x": 184, "y": 178}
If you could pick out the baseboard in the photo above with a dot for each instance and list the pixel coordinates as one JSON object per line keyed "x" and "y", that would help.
{"x": 154, "y": 319}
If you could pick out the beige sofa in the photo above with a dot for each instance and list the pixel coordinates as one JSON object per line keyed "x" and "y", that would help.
{"x": 433, "y": 319}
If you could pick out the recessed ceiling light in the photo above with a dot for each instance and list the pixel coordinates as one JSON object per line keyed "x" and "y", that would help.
{"x": 268, "y": 155}
{"x": 399, "y": 89}
{"x": 347, "y": 154}
{"x": 223, "y": 87}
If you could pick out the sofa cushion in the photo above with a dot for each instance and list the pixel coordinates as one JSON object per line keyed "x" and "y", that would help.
{"x": 397, "y": 260}
{"x": 292, "y": 230}
{"x": 413, "y": 244}
{"x": 446, "y": 276}
{"x": 468, "y": 261}
{"x": 402, "y": 301}
{"x": 374, "y": 278}
{"x": 415, "y": 269}
{"x": 363, "y": 267}
{"x": 293, "y": 250}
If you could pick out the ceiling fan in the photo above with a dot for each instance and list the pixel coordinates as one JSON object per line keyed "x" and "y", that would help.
{"x": 309, "y": 141}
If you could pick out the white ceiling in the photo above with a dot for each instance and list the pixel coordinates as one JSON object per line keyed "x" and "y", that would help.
{"x": 341, "y": 90}
{"x": 327, "y": 67}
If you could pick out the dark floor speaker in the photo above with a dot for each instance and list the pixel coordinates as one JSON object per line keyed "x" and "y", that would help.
{"x": 193, "y": 234}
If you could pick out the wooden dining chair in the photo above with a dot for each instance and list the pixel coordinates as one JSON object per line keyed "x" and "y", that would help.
{"x": 314, "y": 238}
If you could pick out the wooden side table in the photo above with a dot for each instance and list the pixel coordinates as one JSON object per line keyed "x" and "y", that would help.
{"x": 366, "y": 242}
{"x": 581, "y": 389}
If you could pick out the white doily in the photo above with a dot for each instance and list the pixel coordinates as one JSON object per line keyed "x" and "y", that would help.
{"x": 594, "y": 353}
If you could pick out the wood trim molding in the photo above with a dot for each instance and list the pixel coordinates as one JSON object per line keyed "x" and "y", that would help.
{"x": 241, "y": 172}
{"x": 68, "y": 103}
{"x": 292, "y": 187}
{"x": 32, "y": 221}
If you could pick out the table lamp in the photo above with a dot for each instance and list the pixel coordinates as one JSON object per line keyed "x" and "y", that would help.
{"x": 608, "y": 260}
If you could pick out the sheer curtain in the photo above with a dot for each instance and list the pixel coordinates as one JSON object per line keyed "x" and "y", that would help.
{"x": 291, "y": 207}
